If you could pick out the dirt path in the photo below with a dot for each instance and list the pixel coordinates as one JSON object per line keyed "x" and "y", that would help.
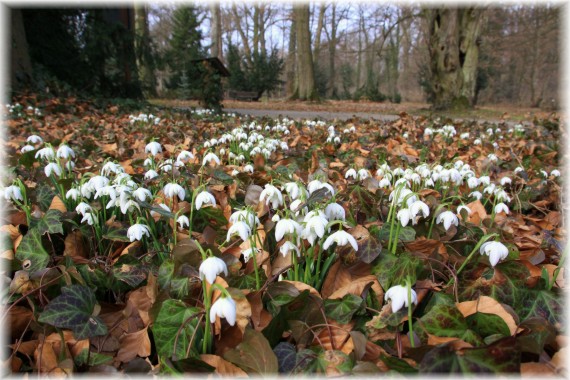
{"x": 324, "y": 115}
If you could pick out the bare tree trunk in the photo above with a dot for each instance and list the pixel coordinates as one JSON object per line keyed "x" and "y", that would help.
{"x": 320, "y": 22}
{"x": 256, "y": 30}
{"x": 454, "y": 54}
{"x": 290, "y": 77}
{"x": 21, "y": 66}
{"x": 244, "y": 39}
{"x": 332, "y": 54}
{"x": 216, "y": 31}
{"x": 306, "y": 88}
{"x": 145, "y": 62}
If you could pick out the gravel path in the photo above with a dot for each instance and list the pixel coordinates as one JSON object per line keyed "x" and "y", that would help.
{"x": 296, "y": 115}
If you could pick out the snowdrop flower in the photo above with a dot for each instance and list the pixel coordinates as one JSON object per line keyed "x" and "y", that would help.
{"x": 153, "y": 148}
{"x": 224, "y": 307}
{"x": 172, "y": 189}
{"x": 183, "y": 220}
{"x": 184, "y": 156}
{"x": 404, "y": 216}
{"x": 555, "y": 173}
{"x": 428, "y": 132}
{"x": 492, "y": 157}
{"x": 501, "y": 207}
{"x": 287, "y": 247}
{"x": 363, "y": 174}
{"x": 448, "y": 218}
{"x": 83, "y": 208}
{"x": 505, "y": 180}
{"x": 211, "y": 268}
{"x": 295, "y": 190}
{"x": 496, "y": 251}
{"x": 429, "y": 182}
{"x": 90, "y": 218}
{"x": 419, "y": 207}
{"x": 234, "y": 172}
{"x": 399, "y": 296}
{"x": 287, "y": 226}
{"x": 248, "y": 168}
{"x": 240, "y": 228}
{"x": 314, "y": 227}
{"x": 519, "y": 169}
{"x": 472, "y": 182}
{"x": 52, "y": 167}
{"x": 73, "y": 194}
{"x": 477, "y": 142}
{"x": 204, "y": 198}
{"x": 26, "y": 148}
{"x": 13, "y": 193}
{"x": 150, "y": 174}
{"x": 351, "y": 173}
{"x": 315, "y": 185}
{"x": 476, "y": 194}
{"x": 136, "y": 232}
{"x": 247, "y": 253}
{"x": 142, "y": 194}
{"x": 65, "y": 152}
{"x": 464, "y": 136}
{"x": 463, "y": 207}
{"x": 271, "y": 195}
{"x": 384, "y": 182}
{"x": 208, "y": 158}
{"x": 34, "y": 139}
{"x": 46, "y": 153}
{"x": 341, "y": 238}
{"x": 245, "y": 215}
{"x": 334, "y": 211}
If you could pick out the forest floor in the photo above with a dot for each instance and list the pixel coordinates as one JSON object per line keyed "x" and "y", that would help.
{"x": 367, "y": 109}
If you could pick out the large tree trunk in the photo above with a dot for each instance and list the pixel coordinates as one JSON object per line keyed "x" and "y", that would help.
{"x": 21, "y": 66}
{"x": 454, "y": 55}
{"x": 332, "y": 54}
{"x": 216, "y": 31}
{"x": 290, "y": 77}
{"x": 145, "y": 62}
{"x": 306, "y": 88}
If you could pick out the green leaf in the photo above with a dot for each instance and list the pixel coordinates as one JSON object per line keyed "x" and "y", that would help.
{"x": 73, "y": 310}
{"x": 208, "y": 216}
{"x": 31, "y": 251}
{"x": 44, "y": 195}
{"x": 342, "y": 310}
{"x": 220, "y": 175}
{"x": 407, "y": 234}
{"x": 49, "y": 223}
{"x": 95, "y": 277}
{"x": 27, "y": 159}
{"x": 132, "y": 275}
{"x": 398, "y": 365}
{"x": 447, "y": 321}
{"x": 543, "y": 303}
{"x": 503, "y": 356}
{"x": 487, "y": 324}
{"x": 393, "y": 270}
{"x": 93, "y": 357}
{"x": 254, "y": 354}
{"x": 176, "y": 322}
{"x": 369, "y": 250}
{"x": 116, "y": 234}
{"x": 537, "y": 332}
{"x": 286, "y": 356}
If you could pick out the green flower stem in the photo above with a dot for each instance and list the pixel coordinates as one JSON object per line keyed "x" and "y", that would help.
{"x": 207, "y": 342}
{"x": 191, "y": 213}
{"x": 493, "y": 213}
{"x": 397, "y": 236}
{"x": 433, "y": 220}
{"x": 308, "y": 262}
{"x": 410, "y": 327}
{"x": 254, "y": 254}
{"x": 483, "y": 240}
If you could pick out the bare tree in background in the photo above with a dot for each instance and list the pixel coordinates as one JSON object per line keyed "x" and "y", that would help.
{"x": 306, "y": 87}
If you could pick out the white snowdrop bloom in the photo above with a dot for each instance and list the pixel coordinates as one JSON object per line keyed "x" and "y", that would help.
{"x": 241, "y": 229}
{"x": 90, "y": 218}
{"x": 496, "y": 146}
{"x": 496, "y": 251}
{"x": 13, "y": 193}
{"x": 472, "y": 182}
{"x": 172, "y": 189}
{"x": 247, "y": 253}
{"x": 346, "y": 130}
{"x": 476, "y": 194}
{"x": 399, "y": 296}
{"x": 110, "y": 167}
{"x": 448, "y": 218}
{"x": 477, "y": 142}
{"x": 489, "y": 189}
{"x": 428, "y": 132}
{"x": 492, "y": 157}
{"x": 65, "y": 152}
{"x": 429, "y": 182}
{"x": 501, "y": 207}
{"x": 419, "y": 208}
{"x": 384, "y": 182}
{"x": 403, "y": 194}
{"x": 209, "y": 158}
{"x": 83, "y": 208}
{"x": 271, "y": 195}
{"x": 136, "y": 232}
{"x": 224, "y": 307}
{"x": 150, "y": 174}
{"x": 505, "y": 180}
{"x": 351, "y": 173}
{"x": 148, "y": 162}
{"x": 405, "y": 135}
{"x": 211, "y": 268}
{"x": 204, "y": 198}
{"x": 183, "y": 220}
{"x": 295, "y": 190}
{"x": 283, "y": 144}
{"x": 98, "y": 182}
{"x": 341, "y": 238}
{"x": 185, "y": 156}
{"x": 46, "y": 153}
{"x": 485, "y": 180}
{"x": 555, "y": 173}
{"x": 127, "y": 205}
{"x": 34, "y": 139}
{"x": 234, "y": 172}
{"x": 246, "y": 216}
{"x": 518, "y": 169}
{"x": 416, "y": 178}
{"x": 363, "y": 174}
{"x": 142, "y": 194}
{"x": 314, "y": 227}
{"x": 294, "y": 206}
{"x": 275, "y": 218}
{"x": 248, "y": 168}
{"x": 315, "y": 185}
{"x": 153, "y": 148}
{"x": 404, "y": 216}
{"x": 463, "y": 207}
{"x": 398, "y": 172}
{"x": 336, "y": 140}
{"x": 544, "y": 173}
{"x": 26, "y": 148}
{"x": 73, "y": 194}
{"x": 52, "y": 167}
{"x": 464, "y": 136}
{"x": 287, "y": 226}
{"x": 334, "y": 211}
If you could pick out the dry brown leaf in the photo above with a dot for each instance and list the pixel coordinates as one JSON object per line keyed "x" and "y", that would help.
{"x": 75, "y": 245}
{"x": 223, "y": 367}
{"x": 301, "y": 286}
{"x": 478, "y": 213}
{"x": 488, "y": 305}
{"x": 133, "y": 345}
{"x": 57, "y": 204}
{"x": 357, "y": 286}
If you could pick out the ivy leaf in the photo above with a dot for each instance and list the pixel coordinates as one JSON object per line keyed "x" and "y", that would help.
{"x": 74, "y": 310}
{"x": 447, "y": 321}
{"x": 220, "y": 175}
{"x": 49, "y": 223}
{"x": 176, "y": 322}
{"x": 342, "y": 310}
{"x": 543, "y": 303}
{"x": 31, "y": 252}
{"x": 286, "y": 356}
{"x": 538, "y": 333}
{"x": 27, "y": 159}
{"x": 503, "y": 356}
{"x": 254, "y": 354}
